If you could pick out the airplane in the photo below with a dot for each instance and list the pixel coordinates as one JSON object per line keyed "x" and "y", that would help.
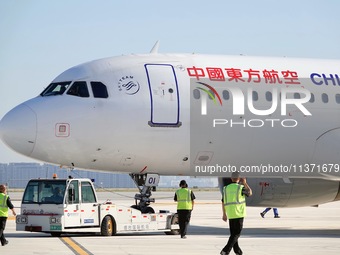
{"x": 276, "y": 120}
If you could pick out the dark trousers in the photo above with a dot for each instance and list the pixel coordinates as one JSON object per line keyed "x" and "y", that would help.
{"x": 2, "y": 229}
{"x": 183, "y": 220}
{"x": 235, "y": 227}
{"x": 276, "y": 212}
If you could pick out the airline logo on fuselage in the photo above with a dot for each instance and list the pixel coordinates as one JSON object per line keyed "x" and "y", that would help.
{"x": 289, "y": 77}
{"x": 128, "y": 85}
{"x": 286, "y": 77}
{"x": 325, "y": 79}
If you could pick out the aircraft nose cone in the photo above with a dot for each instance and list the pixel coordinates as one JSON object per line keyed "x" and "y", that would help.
{"x": 18, "y": 129}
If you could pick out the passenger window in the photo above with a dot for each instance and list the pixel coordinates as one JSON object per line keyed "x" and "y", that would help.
{"x": 324, "y": 98}
{"x": 312, "y": 98}
{"x": 99, "y": 89}
{"x": 79, "y": 89}
{"x": 211, "y": 95}
{"x": 297, "y": 95}
{"x": 269, "y": 96}
{"x": 255, "y": 96}
{"x": 337, "y": 98}
{"x": 197, "y": 94}
{"x": 87, "y": 193}
{"x": 225, "y": 95}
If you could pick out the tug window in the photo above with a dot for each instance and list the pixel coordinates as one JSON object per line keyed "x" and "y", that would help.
{"x": 87, "y": 193}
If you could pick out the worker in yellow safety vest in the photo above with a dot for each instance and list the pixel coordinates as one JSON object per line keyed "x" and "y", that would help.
{"x": 185, "y": 204}
{"x": 234, "y": 209}
{"x": 5, "y": 203}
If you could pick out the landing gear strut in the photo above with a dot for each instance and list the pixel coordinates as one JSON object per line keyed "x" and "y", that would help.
{"x": 145, "y": 184}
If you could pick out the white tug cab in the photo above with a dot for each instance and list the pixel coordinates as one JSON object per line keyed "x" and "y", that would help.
{"x": 59, "y": 206}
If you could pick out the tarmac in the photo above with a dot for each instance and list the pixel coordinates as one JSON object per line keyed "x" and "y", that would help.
{"x": 307, "y": 230}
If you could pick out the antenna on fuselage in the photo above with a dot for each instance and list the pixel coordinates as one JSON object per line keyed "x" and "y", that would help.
{"x": 154, "y": 49}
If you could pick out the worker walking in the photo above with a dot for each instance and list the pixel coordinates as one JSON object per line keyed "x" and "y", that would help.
{"x": 234, "y": 209}
{"x": 5, "y": 203}
{"x": 275, "y": 210}
{"x": 185, "y": 204}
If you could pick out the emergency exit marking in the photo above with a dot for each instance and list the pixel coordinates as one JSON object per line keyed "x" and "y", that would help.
{"x": 62, "y": 130}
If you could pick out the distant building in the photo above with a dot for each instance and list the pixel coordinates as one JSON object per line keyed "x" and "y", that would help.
{"x": 16, "y": 175}
{"x": 193, "y": 182}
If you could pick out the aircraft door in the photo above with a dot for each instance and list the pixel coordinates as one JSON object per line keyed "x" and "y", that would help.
{"x": 164, "y": 95}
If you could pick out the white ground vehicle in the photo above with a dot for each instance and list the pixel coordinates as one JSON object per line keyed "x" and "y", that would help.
{"x": 59, "y": 206}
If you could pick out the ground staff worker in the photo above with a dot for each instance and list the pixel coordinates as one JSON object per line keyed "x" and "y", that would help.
{"x": 185, "y": 204}
{"x": 5, "y": 203}
{"x": 234, "y": 209}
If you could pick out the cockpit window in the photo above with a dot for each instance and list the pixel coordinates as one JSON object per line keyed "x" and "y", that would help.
{"x": 79, "y": 89}
{"x": 99, "y": 89}
{"x": 56, "y": 88}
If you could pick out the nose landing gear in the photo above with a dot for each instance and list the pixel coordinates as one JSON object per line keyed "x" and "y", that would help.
{"x": 145, "y": 184}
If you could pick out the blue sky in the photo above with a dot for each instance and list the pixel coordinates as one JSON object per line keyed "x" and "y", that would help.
{"x": 40, "y": 39}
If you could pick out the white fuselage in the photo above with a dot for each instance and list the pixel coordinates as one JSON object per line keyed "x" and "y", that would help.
{"x": 153, "y": 120}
